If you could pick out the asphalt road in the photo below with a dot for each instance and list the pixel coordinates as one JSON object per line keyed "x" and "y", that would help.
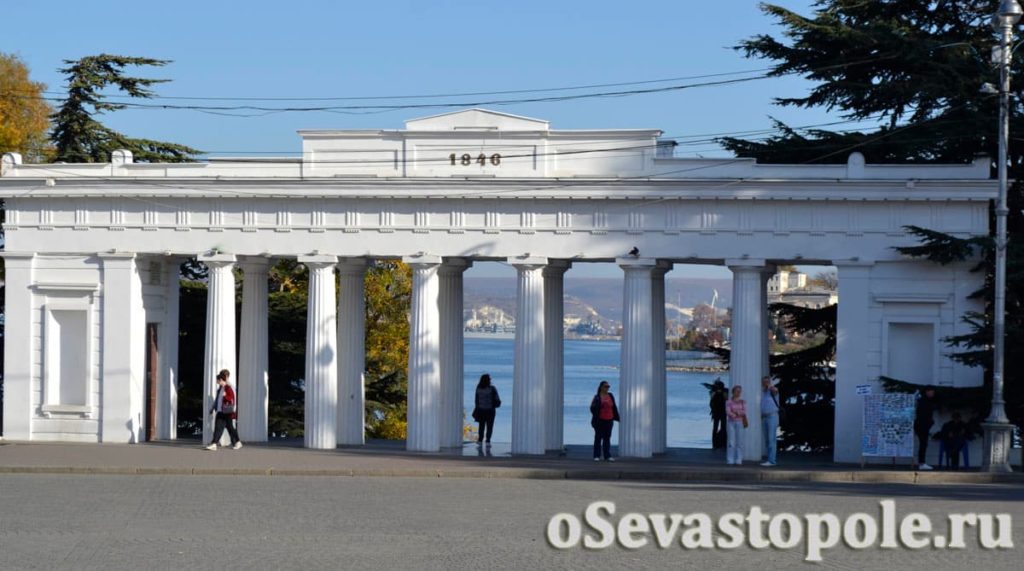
{"x": 153, "y": 522}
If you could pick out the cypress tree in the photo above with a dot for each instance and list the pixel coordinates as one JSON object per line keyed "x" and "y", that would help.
{"x": 79, "y": 138}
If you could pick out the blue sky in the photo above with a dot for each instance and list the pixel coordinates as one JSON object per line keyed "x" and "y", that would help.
{"x": 345, "y": 49}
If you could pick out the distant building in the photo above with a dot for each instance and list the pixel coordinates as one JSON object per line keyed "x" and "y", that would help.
{"x": 792, "y": 288}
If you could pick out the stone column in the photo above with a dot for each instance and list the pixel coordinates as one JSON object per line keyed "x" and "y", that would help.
{"x": 219, "y": 351}
{"x": 424, "y": 356}
{"x": 766, "y": 369}
{"x": 321, "y": 423}
{"x": 351, "y": 351}
{"x": 554, "y": 352}
{"x": 746, "y": 364}
{"x": 853, "y": 340}
{"x": 251, "y": 383}
{"x": 450, "y": 310}
{"x": 528, "y": 408}
{"x": 168, "y": 396}
{"x": 659, "y": 425}
{"x": 19, "y": 353}
{"x": 636, "y": 402}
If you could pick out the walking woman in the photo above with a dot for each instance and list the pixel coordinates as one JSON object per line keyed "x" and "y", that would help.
{"x": 224, "y": 407}
{"x": 736, "y": 413}
{"x": 487, "y": 400}
{"x": 603, "y": 414}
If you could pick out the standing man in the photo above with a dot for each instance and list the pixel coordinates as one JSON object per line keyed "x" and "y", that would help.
{"x": 769, "y": 418}
{"x": 923, "y": 421}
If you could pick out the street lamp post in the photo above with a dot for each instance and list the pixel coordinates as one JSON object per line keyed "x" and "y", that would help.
{"x": 997, "y": 427}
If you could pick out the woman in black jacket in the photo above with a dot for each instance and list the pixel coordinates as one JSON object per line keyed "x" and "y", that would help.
{"x": 603, "y": 414}
{"x": 487, "y": 400}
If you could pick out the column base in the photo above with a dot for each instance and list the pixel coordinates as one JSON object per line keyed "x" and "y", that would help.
{"x": 996, "y": 447}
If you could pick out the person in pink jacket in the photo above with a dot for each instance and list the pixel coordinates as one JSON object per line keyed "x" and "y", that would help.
{"x": 736, "y": 425}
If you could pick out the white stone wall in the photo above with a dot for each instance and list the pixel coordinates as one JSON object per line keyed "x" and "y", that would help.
{"x": 874, "y": 300}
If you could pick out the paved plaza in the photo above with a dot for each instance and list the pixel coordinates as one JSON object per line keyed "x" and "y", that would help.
{"x": 52, "y": 521}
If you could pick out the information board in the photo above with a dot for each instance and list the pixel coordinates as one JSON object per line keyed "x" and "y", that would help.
{"x": 888, "y": 425}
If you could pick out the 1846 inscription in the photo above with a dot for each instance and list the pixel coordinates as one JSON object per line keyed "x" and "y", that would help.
{"x": 467, "y": 159}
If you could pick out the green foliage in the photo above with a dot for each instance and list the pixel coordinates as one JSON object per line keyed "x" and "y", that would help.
{"x": 80, "y": 138}
{"x": 943, "y": 248}
{"x": 806, "y": 377}
{"x": 287, "y": 362}
{"x": 904, "y": 62}
{"x": 388, "y": 299}
{"x": 191, "y": 347}
{"x": 975, "y": 401}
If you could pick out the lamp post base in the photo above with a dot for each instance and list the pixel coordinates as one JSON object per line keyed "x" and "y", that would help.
{"x": 996, "y": 451}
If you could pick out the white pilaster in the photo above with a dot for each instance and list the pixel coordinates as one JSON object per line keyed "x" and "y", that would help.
{"x": 554, "y": 352}
{"x": 252, "y": 382}
{"x": 20, "y": 351}
{"x": 424, "y": 356}
{"x": 450, "y": 309}
{"x": 219, "y": 351}
{"x": 636, "y": 404}
{"x": 528, "y": 391}
{"x": 321, "y": 422}
{"x": 124, "y": 359}
{"x": 351, "y": 351}
{"x": 746, "y": 363}
{"x": 852, "y": 343}
{"x": 659, "y": 426}
{"x": 167, "y": 427}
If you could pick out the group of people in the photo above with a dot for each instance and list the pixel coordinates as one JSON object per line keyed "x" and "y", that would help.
{"x": 603, "y": 412}
{"x": 953, "y": 436}
{"x": 729, "y": 421}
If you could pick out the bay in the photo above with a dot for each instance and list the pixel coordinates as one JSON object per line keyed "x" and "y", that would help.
{"x": 587, "y": 362}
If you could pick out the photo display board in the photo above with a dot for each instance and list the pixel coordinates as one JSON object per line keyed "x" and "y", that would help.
{"x": 888, "y": 425}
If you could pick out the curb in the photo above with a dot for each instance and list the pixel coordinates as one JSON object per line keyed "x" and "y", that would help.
{"x": 698, "y": 475}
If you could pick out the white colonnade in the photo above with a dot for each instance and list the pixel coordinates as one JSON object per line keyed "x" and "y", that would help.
{"x": 436, "y": 412}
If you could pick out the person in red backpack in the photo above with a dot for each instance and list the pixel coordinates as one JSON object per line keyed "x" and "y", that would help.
{"x": 224, "y": 407}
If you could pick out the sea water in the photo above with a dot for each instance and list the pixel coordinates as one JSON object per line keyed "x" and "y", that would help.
{"x": 587, "y": 362}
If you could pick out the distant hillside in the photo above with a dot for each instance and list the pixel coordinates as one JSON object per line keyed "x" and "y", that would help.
{"x": 595, "y": 299}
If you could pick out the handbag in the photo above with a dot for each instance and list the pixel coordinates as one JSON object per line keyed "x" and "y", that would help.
{"x": 476, "y": 414}
{"x": 228, "y": 408}
{"x": 745, "y": 423}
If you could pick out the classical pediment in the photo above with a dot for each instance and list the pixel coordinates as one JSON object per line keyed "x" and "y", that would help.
{"x": 476, "y": 120}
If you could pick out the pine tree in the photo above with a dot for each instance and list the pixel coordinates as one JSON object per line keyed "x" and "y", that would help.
{"x": 916, "y": 68}
{"x": 80, "y": 138}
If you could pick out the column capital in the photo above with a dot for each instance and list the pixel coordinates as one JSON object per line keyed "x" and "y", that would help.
{"x": 352, "y": 266}
{"x": 450, "y": 266}
{"x": 526, "y": 261}
{"x": 318, "y": 261}
{"x": 18, "y": 259}
{"x": 556, "y": 268}
{"x": 422, "y": 259}
{"x": 110, "y": 260}
{"x": 217, "y": 260}
{"x": 854, "y": 263}
{"x": 115, "y": 255}
{"x": 254, "y": 264}
{"x": 662, "y": 267}
{"x": 636, "y": 263}
{"x": 754, "y": 264}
